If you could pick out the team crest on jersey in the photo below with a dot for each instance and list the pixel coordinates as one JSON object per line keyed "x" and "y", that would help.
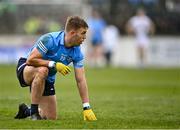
{"x": 69, "y": 59}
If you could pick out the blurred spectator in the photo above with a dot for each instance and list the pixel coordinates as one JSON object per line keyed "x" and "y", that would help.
{"x": 141, "y": 25}
{"x": 43, "y": 25}
{"x": 54, "y": 26}
{"x": 31, "y": 25}
{"x": 96, "y": 27}
{"x": 40, "y": 25}
{"x": 35, "y": 25}
{"x": 7, "y": 17}
{"x": 110, "y": 40}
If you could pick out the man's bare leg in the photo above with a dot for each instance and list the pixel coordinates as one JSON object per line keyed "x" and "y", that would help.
{"x": 35, "y": 77}
{"x": 48, "y": 107}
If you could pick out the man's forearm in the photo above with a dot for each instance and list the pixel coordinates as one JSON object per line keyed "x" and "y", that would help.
{"x": 83, "y": 91}
{"x": 37, "y": 62}
{"x": 35, "y": 59}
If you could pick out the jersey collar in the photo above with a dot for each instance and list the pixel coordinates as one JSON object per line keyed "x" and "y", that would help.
{"x": 62, "y": 38}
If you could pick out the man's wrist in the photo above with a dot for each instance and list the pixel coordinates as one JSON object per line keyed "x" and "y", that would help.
{"x": 86, "y": 106}
{"x": 51, "y": 64}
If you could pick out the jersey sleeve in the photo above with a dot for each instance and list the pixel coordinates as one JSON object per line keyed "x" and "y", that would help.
{"x": 78, "y": 62}
{"x": 44, "y": 44}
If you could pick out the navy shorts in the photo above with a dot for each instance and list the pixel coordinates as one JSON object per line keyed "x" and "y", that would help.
{"x": 49, "y": 87}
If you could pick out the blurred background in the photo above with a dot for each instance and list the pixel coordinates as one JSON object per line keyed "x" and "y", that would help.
{"x": 23, "y": 21}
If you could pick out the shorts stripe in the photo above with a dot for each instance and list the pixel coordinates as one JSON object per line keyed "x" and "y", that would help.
{"x": 21, "y": 66}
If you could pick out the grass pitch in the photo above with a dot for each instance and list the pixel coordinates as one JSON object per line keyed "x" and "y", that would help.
{"x": 120, "y": 98}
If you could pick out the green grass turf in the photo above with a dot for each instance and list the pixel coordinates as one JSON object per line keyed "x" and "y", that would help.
{"x": 120, "y": 98}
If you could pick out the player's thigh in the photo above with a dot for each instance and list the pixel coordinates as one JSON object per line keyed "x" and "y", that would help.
{"x": 29, "y": 73}
{"x": 48, "y": 106}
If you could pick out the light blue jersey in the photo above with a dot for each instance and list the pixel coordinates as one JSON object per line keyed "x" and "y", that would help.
{"x": 51, "y": 46}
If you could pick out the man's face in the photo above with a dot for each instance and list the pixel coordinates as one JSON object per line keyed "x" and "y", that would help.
{"x": 78, "y": 36}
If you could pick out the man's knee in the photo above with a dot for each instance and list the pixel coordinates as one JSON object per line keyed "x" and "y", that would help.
{"x": 48, "y": 116}
{"x": 42, "y": 72}
{"x": 52, "y": 117}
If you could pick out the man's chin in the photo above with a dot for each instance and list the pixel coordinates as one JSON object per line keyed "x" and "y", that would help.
{"x": 77, "y": 44}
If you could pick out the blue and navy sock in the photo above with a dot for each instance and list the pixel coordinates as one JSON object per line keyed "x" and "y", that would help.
{"x": 33, "y": 109}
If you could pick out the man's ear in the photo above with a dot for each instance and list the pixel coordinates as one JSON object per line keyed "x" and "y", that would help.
{"x": 72, "y": 32}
